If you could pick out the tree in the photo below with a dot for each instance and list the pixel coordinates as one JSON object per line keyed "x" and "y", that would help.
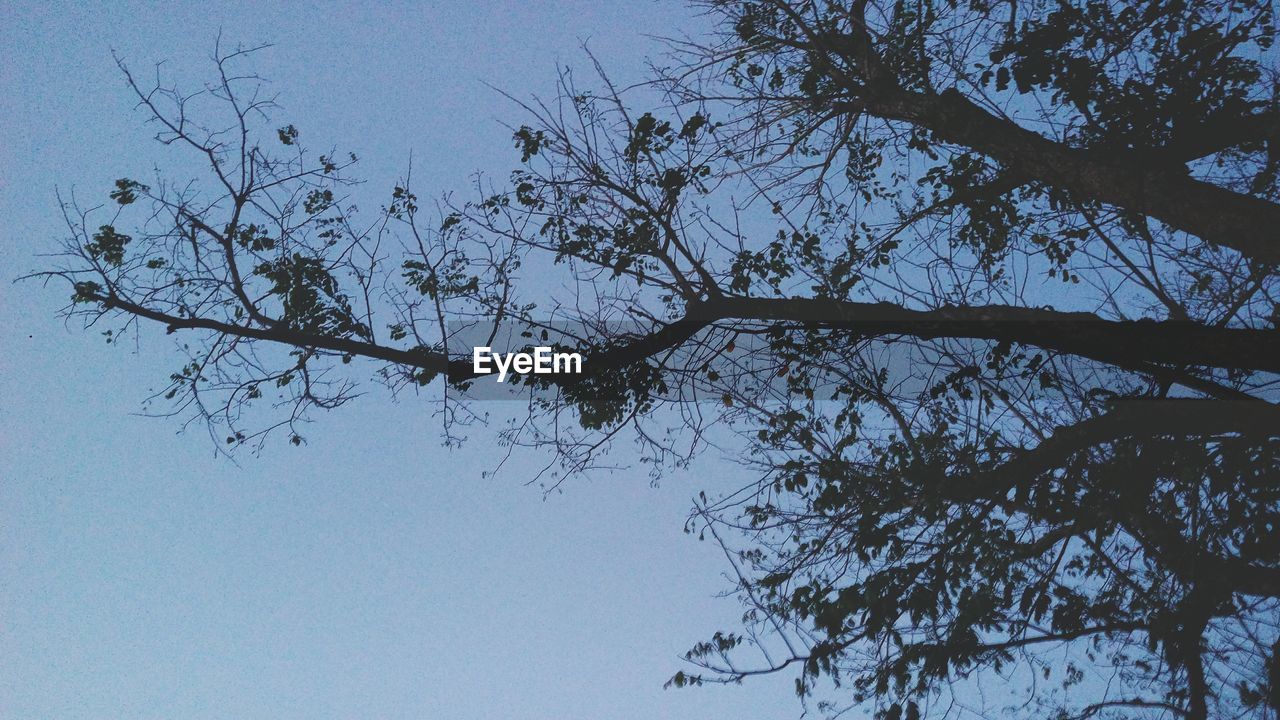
{"x": 984, "y": 292}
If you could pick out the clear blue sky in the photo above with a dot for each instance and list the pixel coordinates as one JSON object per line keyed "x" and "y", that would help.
{"x": 371, "y": 573}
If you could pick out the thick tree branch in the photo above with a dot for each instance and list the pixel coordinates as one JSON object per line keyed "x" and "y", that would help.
{"x": 1132, "y": 180}
{"x": 1128, "y": 180}
{"x": 1126, "y": 342}
{"x": 1143, "y": 419}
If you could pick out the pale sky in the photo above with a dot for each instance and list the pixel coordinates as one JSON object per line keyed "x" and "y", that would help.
{"x": 370, "y": 573}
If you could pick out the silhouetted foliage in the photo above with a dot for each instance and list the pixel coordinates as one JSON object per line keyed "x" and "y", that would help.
{"x": 983, "y": 295}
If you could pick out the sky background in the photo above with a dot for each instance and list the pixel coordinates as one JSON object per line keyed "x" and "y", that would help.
{"x": 370, "y": 573}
